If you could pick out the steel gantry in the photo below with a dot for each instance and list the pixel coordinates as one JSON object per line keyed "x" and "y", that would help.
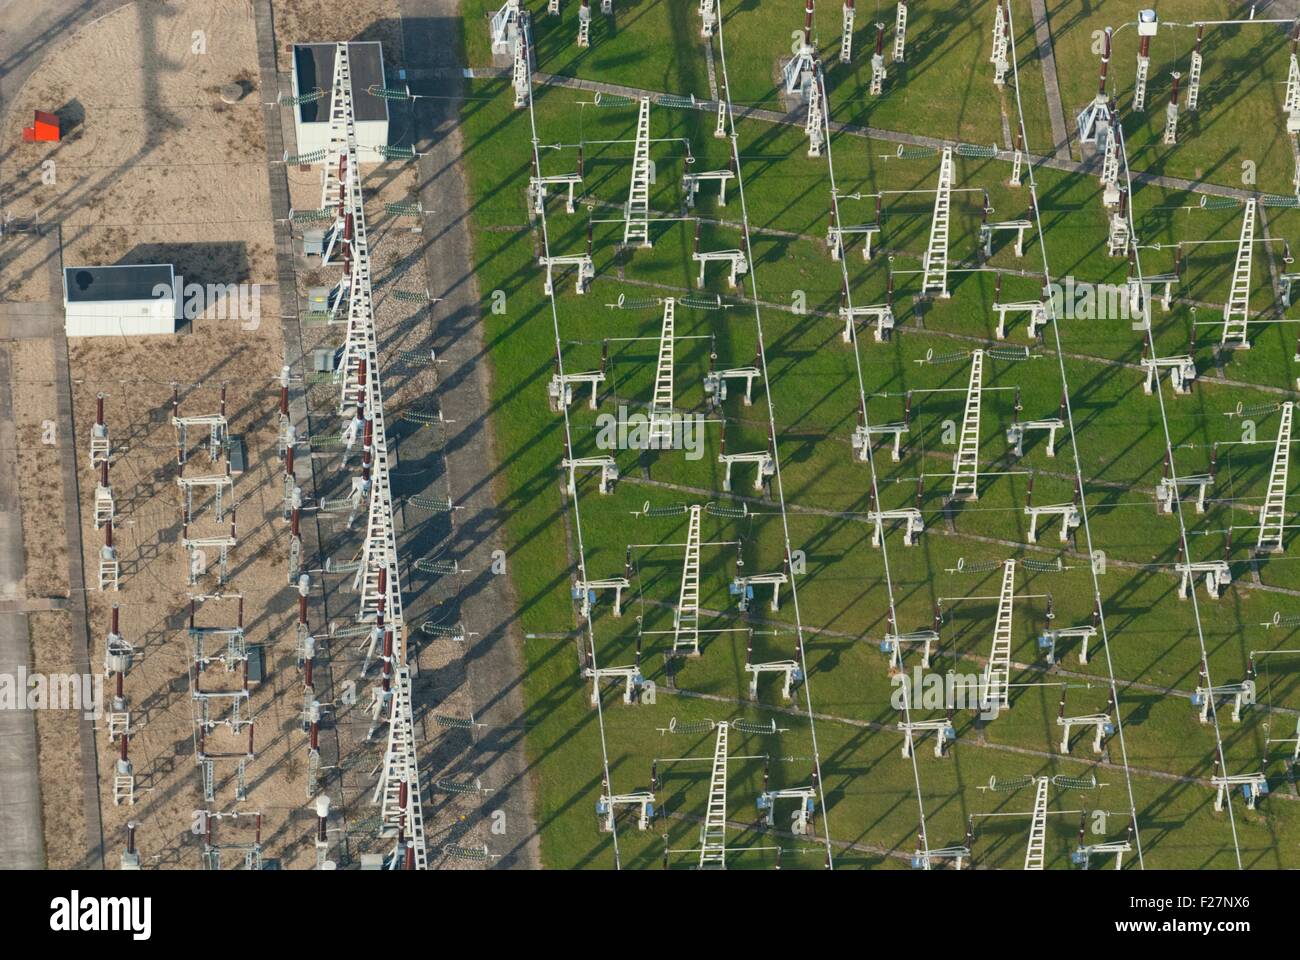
{"x": 361, "y": 403}
{"x": 1272, "y": 515}
{"x": 1236, "y": 312}
{"x": 686, "y": 619}
{"x": 935, "y": 277}
{"x": 965, "y": 464}
{"x": 636, "y": 224}
{"x": 997, "y": 672}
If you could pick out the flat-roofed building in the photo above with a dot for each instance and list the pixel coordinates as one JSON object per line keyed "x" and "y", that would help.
{"x": 116, "y": 301}
{"x": 313, "y": 69}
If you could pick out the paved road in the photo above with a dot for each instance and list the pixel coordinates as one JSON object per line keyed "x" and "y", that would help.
{"x": 493, "y": 658}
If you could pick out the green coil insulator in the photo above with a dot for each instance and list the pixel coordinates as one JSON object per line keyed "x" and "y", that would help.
{"x": 425, "y": 565}
{"x": 442, "y": 630}
{"x": 980, "y": 566}
{"x": 315, "y": 379}
{"x": 907, "y": 152}
{"x": 698, "y": 304}
{"x": 724, "y": 510}
{"x": 403, "y": 209}
{"x": 414, "y": 358}
{"x": 612, "y": 100}
{"x": 1259, "y": 409}
{"x": 674, "y": 511}
{"x": 310, "y": 216}
{"x": 1273, "y": 200}
{"x": 315, "y": 156}
{"x": 455, "y": 723}
{"x": 975, "y": 150}
{"x": 453, "y": 786}
{"x": 411, "y": 296}
{"x": 431, "y": 504}
{"x": 1008, "y": 353}
{"x": 1006, "y": 786}
{"x": 748, "y": 726}
{"x": 479, "y": 854}
{"x": 638, "y": 303}
{"x": 1074, "y": 783}
{"x": 673, "y": 100}
{"x": 690, "y": 726}
{"x": 1043, "y": 566}
{"x": 388, "y": 93}
{"x": 420, "y": 417}
{"x": 288, "y": 101}
{"x": 348, "y": 633}
{"x": 1218, "y": 203}
{"x": 949, "y": 357}
{"x": 325, "y": 443}
{"x": 395, "y": 153}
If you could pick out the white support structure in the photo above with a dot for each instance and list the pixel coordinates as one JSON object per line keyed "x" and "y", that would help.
{"x": 1110, "y": 173}
{"x": 606, "y": 465}
{"x": 846, "y": 32}
{"x": 538, "y": 186}
{"x": 100, "y": 448}
{"x": 796, "y": 73}
{"x": 1217, "y": 576}
{"x": 505, "y": 27}
{"x": 105, "y": 509}
{"x": 881, "y": 314}
{"x": 643, "y": 801}
{"x": 691, "y": 184}
{"x": 965, "y": 463}
{"x": 893, "y": 644}
{"x": 1148, "y": 24}
{"x": 686, "y": 618}
{"x": 222, "y": 487}
{"x": 1291, "y": 105}
{"x": 743, "y": 587}
{"x": 1000, "y": 58}
{"x": 560, "y": 391}
{"x": 584, "y": 24}
{"x": 913, "y": 526}
{"x": 584, "y": 263}
{"x": 735, "y": 259}
{"x": 935, "y": 277}
{"x": 1167, "y": 491}
{"x": 661, "y": 405}
{"x": 1017, "y": 431}
{"x": 863, "y": 434}
{"x": 399, "y": 780}
{"x": 1083, "y": 856}
{"x": 1171, "y": 115}
{"x": 943, "y": 734}
{"x": 636, "y": 224}
{"x": 1242, "y": 694}
{"x": 988, "y": 229}
{"x": 522, "y": 76}
{"x": 900, "y": 32}
{"x": 1118, "y": 235}
{"x": 1100, "y": 723}
{"x": 1194, "y": 74}
{"x": 1182, "y": 372}
{"x": 1035, "y": 311}
{"x": 713, "y": 833}
{"x": 708, "y": 17}
{"x": 584, "y": 591}
{"x": 1048, "y": 639}
{"x": 805, "y": 807}
{"x": 715, "y": 384}
{"x": 720, "y": 130}
{"x": 1068, "y": 512}
{"x": 788, "y": 669}
{"x": 997, "y": 671}
{"x": 1272, "y": 515}
{"x": 761, "y": 458}
{"x": 1253, "y": 786}
{"x": 813, "y": 126}
{"x": 1236, "y": 311}
{"x": 1035, "y": 853}
{"x": 878, "y": 70}
{"x": 629, "y": 676}
{"x": 835, "y": 237}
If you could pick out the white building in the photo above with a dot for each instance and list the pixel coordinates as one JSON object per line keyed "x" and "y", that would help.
{"x": 119, "y": 301}
{"x": 313, "y": 69}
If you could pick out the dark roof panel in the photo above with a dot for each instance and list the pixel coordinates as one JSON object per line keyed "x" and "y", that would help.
{"x": 107, "y": 284}
{"x": 313, "y": 65}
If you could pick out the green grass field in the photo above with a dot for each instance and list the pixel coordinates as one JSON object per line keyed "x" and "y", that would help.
{"x": 874, "y": 797}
